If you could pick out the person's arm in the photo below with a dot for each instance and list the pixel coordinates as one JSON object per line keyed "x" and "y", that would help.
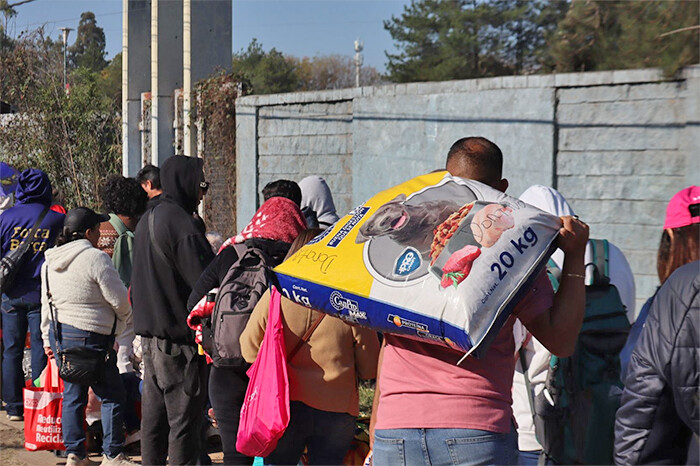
{"x": 112, "y": 287}
{"x": 366, "y": 352}
{"x": 212, "y": 276}
{"x": 45, "y": 314}
{"x": 375, "y": 401}
{"x": 647, "y": 386}
{"x": 192, "y": 255}
{"x": 558, "y": 327}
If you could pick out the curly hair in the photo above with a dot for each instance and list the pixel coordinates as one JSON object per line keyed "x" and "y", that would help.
{"x": 123, "y": 196}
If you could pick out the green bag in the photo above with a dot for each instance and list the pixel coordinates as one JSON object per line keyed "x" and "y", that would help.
{"x": 575, "y": 412}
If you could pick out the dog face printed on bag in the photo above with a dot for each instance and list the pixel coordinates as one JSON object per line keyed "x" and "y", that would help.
{"x": 490, "y": 222}
{"x": 406, "y": 224}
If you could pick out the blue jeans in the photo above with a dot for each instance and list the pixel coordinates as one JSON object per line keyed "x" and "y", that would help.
{"x": 327, "y": 436}
{"x": 110, "y": 392}
{"x": 532, "y": 458}
{"x": 18, "y": 316}
{"x": 443, "y": 447}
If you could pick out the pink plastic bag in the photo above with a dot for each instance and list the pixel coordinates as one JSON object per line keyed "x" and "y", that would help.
{"x": 265, "y": 411}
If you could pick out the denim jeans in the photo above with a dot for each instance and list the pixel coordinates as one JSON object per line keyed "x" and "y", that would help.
{"x": 18, "y": 316}
{"x": 110, "y": 392}
{"x": 326, "y": 435}
{"x": 444, "y": 447}
{"x": 532, "y": 458}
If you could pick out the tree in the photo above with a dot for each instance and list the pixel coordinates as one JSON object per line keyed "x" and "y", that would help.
{"x": 268, "y": 72}
{"x": 110, "y": 79}
{"x": 332, "y": 72}
{"x": 460, "y": 39}
{"x": 75, "y": 138}
{"x": 89, "y": 48}
{"x": 603, "y": 35}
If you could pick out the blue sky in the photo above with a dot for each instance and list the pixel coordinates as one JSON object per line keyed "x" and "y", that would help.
{"x": 301, "y": 28}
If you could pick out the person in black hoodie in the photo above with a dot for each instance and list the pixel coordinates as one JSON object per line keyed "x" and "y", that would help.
{"x": 170, "y": 253}
{"x": 21, "y": 307}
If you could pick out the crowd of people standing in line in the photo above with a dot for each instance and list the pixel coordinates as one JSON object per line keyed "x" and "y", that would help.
{"x": 160, "y": 261}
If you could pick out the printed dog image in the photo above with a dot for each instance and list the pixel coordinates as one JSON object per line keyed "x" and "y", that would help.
{"x": 406, "y": 224}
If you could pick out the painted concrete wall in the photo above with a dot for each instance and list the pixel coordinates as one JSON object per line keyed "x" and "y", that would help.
{"x": 617, "y": 144}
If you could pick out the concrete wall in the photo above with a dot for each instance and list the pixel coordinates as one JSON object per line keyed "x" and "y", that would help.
{"x": 617, "y": 144}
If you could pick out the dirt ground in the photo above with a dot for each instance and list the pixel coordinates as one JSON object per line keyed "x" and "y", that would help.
{"x": 12, "y": 452}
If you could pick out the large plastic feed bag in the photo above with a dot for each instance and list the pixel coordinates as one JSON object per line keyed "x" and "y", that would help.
{"x": 438, "y": 258}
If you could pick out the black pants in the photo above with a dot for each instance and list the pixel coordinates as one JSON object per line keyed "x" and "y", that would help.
{"x": 227, "y": 388}
{"x": 172, "y": 403}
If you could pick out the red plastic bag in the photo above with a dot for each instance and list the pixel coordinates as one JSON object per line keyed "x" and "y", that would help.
{"x": 43, "y": 429}
{"x": 265, "y": 411}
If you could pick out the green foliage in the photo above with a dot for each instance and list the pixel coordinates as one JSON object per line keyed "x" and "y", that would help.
{"x": 110, "y": 79}
{"x": 460, "y": 39}
{"x": 272, "y": 72}
{"x": 268, "y": 72}
{"x": 366, "y": 392}
{"x": 75, "y": 138}
{"x": 603, "y": 35}
{"x": 332, "y": 72}
{"x": 88, "y": 51}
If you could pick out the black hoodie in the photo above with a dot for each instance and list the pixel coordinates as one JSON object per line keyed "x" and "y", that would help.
{"x": 159, "y": 288}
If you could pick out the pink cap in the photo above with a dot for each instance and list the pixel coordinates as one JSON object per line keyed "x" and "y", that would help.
{"x": 683, "y": 208}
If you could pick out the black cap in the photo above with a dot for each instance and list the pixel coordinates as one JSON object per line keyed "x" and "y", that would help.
{"x": 81, "y": 219}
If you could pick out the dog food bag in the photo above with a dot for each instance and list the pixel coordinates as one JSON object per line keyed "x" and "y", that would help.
{"x": 438, "y": 258}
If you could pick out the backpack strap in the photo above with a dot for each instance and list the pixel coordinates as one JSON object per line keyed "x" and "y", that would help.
{"x": 528, "y": 385}
{"x": 601, "y": 262}
{"x": 242, "y": 249}
{"x": 554, "y": 274}
{"x": 152, "y": 234}
{"x": 305, "y": 337}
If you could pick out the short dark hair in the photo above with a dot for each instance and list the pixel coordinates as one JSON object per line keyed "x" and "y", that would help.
{"x": 149, "y": 173}
{"x": 476, "y": 158}
{"x": 283, "y": 188}
{"x": 123, "y": 196}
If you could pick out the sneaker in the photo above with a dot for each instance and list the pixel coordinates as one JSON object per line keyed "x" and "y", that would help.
{"x": 15, "y": 417}
{"x": 75, "y": 460}
{"x": 120, "y": 460}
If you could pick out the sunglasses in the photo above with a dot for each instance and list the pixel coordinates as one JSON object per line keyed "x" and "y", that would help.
{"x": 204, "y": 186}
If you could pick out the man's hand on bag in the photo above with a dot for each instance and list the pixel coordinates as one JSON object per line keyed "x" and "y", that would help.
{"x": 48, "y": 351}
{"x": 573, "y": 235}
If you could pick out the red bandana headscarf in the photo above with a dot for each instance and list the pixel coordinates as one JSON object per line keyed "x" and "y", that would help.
{"x": 278, "y": 219}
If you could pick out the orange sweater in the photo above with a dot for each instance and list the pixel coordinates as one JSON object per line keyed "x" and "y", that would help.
{"x": 324, "y": 372}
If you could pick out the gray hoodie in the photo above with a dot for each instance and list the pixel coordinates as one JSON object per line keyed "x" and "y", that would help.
{"x": 316, "y": 195}
{"x": 86, "y": 288}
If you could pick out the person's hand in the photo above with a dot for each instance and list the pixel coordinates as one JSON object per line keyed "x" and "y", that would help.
{"x": 573, "y": 236}
{"x": 48, "y": 352}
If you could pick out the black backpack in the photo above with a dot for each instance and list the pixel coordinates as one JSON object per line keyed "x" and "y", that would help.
{"x": 245, "y": 282}
{"x": 575, "y": 412}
